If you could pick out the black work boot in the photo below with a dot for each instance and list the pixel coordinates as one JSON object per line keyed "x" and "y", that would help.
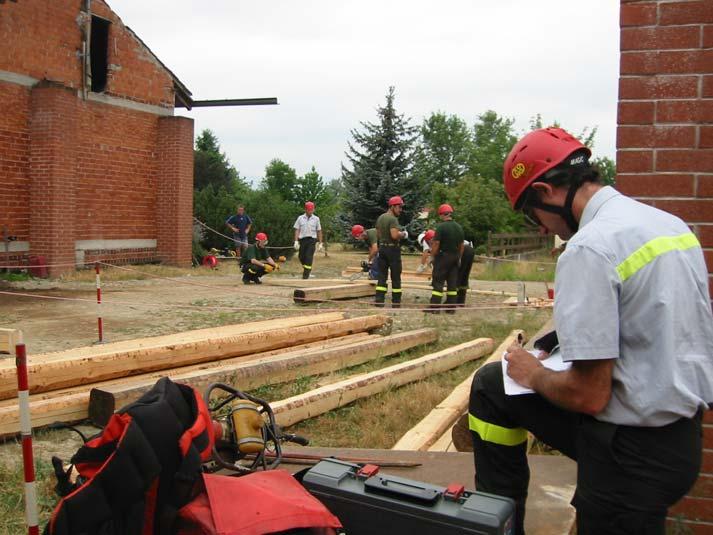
{"x": 395, "y": 299}
{"x": 246, "y": 279}
{"x": 305, "y": 273}
{"x": 435, "y": 306}
{"x": 451, "y": 304}
{"x": 462, "y": 293}
{"x": 379, "y": 298}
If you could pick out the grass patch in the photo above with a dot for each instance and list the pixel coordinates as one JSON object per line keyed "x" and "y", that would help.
{"x": 14, "y": 277}
{"x": 537, "y": 270}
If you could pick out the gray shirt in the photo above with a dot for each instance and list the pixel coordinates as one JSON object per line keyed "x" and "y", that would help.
{"x": 632, "y": 285}
{"x": 307, "y": 226}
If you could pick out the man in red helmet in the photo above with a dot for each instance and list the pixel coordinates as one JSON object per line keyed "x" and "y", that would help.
{"x": 257, "y": 260}
{"x": 369, "y": 236}
{"x": 308, "y": 233}
{"x": 424, "y": 240}
{"x": 446, "y": 250}
{"x": 389, "y": 235}
{"x": 633, "y": 317}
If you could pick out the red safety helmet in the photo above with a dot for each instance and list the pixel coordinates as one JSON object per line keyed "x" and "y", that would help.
{"x": 445, "y": 209}
{"x": 261, "y": 236}
{"x": 430, "y": 233}
{"x": 396, "y": 201}
{"x": 534, "y": 155}
{"x": 357, "y": 230}
{"x": 309, "y": 205}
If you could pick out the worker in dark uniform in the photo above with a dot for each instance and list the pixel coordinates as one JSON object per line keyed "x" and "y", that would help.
{"x": 389, "y": 235}
{"x": 633, "y": 318}
{"x": 446, "y": 250}
{"x": 257, "y": 260}
{"x": 370, "y": 265}
{"x": 466, "y": 264}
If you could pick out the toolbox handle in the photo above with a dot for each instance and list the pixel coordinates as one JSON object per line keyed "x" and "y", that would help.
{"x": 411, "y": 490}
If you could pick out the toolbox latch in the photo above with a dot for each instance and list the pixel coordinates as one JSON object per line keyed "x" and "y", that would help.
{"x": 453, "y": 492}
{"x": 366, "y": 471}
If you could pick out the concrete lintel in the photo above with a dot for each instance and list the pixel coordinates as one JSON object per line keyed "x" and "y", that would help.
{"x": 102, "y": 245}
{"x": 130, "y": 104}
{"x": 19, "y": 79}
{"x": 15, "y": 247}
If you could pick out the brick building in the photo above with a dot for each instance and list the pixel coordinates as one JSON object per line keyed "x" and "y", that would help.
{"x": 93, "y": 161}
{"x": 665, "y": 150}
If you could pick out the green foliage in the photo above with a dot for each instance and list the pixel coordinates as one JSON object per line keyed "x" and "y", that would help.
{"x": 14, "y": 277}
{"x": 480, "y": 206}
{"x": 212, "y": 167}
{"x": 281, "y": 179}
{"x": 493, "y": 137}
{"x": 213, "y": 206}
{"x": 276, "y": 217}
{"x": 607, "y": 169}
{"x": 380, "y": 166}
{"x": 445, "y": 150}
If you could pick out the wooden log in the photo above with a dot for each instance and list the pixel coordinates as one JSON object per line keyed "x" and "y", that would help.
{"x": 73, "y": 370}
{"x": 351, "y": 270}
{"x": 436, "y": 423}
{"x": 329, "y": 293}
{"x": 8, "y": 339}
{"x": 445, "y": 443}
{"x": 321, "y": 400}
{"x": 74, "y": 404}
{"x": 70, "y": 404}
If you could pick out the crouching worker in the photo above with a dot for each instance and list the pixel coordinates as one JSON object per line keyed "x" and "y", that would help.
{"x": 370, "y": 265}
{"x": 633, "y": 317}
{"x": 257, "y": 260}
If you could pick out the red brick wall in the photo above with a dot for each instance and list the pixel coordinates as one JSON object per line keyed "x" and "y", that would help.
{"x": 665, "y": 147}
{"x": 72, "y": 169}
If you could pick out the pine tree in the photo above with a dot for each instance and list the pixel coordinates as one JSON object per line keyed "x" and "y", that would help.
{"x": 380, "y": 166}
{"x": 212, "y": 167}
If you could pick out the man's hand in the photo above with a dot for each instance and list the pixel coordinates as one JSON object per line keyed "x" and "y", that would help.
{"x": 296, "y": 245}
{"x": 268, "y": 268}
{"x": 522, "y": 366}
{"x": 404, "y": 234}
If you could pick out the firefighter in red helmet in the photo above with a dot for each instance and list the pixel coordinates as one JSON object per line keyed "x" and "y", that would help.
{"x": 389, "y": 235}
{"x": 308, "y": 237}
{"x": 635, "y": 331}
{"x": 446, "y": 251}
{"x": 257, "y": 260}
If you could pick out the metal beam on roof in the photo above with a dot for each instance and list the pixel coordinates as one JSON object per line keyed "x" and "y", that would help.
{"x": 233, "y": 102}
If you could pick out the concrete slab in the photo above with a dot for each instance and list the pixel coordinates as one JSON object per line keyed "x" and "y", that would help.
{"x": 552, "y": 482}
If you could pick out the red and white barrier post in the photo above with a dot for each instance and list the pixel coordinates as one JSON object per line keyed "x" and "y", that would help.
{"x": 100, "y": 324}
{"x": 28, "y": 461}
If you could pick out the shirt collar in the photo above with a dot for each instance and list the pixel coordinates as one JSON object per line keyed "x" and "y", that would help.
{"x": 596, "y": 202}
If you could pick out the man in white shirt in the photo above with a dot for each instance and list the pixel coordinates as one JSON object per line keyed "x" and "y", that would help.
{"x": 308, "y": 233}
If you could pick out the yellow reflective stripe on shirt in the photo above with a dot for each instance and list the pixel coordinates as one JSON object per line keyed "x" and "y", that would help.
{"x": 497, "y": 434}
{"x": 381, "y": 289}
{"x": 652, "y": 249}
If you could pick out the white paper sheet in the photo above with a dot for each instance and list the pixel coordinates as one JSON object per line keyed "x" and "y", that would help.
{"x": 553, "y": 362}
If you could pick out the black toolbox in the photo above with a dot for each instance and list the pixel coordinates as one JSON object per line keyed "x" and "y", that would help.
{"x": 370, "y": 503}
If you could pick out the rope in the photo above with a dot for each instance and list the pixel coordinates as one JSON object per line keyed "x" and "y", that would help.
{"x": 233, "y": 239}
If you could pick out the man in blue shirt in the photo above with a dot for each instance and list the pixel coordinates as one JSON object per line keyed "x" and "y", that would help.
{"x": 240, "y": 224}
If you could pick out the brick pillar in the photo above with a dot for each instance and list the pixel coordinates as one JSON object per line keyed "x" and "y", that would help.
{"x": 174, "y": 203}
{"x": 665, "y": 148}
{"x": 53, "y": 145}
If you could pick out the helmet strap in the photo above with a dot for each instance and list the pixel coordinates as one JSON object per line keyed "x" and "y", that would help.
{"x": 563, "y": 211}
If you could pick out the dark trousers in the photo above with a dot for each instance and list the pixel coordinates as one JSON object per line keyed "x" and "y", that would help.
{"x": 445, "y": 272}
{"x": 306, "y": 255}
{"x": 252, "y": 273}
{"x": 627, "y": 477}
{"x": 466, "y": 264}
{"x": 389, "y": 258}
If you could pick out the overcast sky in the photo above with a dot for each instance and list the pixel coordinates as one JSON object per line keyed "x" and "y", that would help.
{"x": 330, "y": 63}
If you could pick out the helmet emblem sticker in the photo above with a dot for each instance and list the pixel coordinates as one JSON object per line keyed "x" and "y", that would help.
{"x": 518, "y": 170}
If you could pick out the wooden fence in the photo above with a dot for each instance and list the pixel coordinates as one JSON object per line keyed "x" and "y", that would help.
{"x": 516, "y": 243}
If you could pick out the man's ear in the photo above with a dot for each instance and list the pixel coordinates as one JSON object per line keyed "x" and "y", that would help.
{"x": 545, "y": 190}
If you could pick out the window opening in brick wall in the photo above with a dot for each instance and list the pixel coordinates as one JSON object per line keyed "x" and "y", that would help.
{"x": 99, "y": 47}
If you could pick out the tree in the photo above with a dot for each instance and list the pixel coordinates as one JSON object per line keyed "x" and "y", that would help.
{"x": 493, "y": 137}
{"x": 311, "y": 187}
{"x": 280, "y": 178}
{"x": 380, "y": 166}
{"x": 607, "y": 169}
{"x": 211, "y": 166}
{"x": 446, "y": 146}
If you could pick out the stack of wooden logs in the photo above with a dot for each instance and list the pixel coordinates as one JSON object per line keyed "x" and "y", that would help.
{"x": 72, "y": 385}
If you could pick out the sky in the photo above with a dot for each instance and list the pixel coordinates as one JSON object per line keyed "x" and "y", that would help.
{"x": 330, "y": 64}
